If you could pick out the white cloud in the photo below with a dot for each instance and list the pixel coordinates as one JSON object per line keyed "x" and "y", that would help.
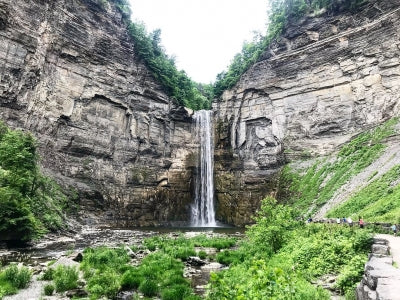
{"x": 203, "y": 35}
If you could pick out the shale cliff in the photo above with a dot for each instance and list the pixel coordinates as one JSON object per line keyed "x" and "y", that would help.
{"x": 328, "y": 78}
{"x": 70, "y": 76}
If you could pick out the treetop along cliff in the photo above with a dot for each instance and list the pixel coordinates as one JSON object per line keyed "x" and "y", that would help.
{"x": 281, "y": 14}
{"x": 177, "y": 84}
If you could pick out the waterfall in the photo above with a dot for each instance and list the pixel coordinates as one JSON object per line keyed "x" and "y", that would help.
{"x": 203, "y": 214}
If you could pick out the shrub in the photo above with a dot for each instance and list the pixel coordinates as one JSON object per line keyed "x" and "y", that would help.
{"x": 228, "y": 257}
{"x": 65, "y": 278}
{"x": 49, "y": 289}
{"x": 131, "y": 279}
{"x": 104, "y": 283}
{"x": 149, "y": 288}
{"x": 176, "y": 292}
{"x": 19, "y": 277}
{"x": 202, "y": 254}
{"x": 48, "y": 274}
{"x": 102, "y": 258}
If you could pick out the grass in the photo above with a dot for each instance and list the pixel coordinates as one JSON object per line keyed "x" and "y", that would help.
{"x": 49, "y": 289}
{"x": 379, "y": 201}
{"x": 13, "y": 278}
{"x": 313, "y": 250}
{"x": 159, "y": 274}
{"x": 65, "y": 278}
{"x": 314, "y": 186}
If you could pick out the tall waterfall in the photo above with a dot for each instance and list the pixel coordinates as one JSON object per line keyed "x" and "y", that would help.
{"x": 203, "y": 214}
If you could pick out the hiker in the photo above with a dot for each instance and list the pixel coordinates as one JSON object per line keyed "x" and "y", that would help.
{"x": 394, "y": 229}
{"x": 337, "y": 220}
{"x": 350, "y": 222}
{"x": 361, "y": 222}
{"x": 344, "y": 220}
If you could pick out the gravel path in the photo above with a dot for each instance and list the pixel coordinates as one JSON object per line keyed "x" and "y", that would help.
{"x": 33, "y": 292}
{"x": 394, "y": 243}
{"x": 389, "y": 158}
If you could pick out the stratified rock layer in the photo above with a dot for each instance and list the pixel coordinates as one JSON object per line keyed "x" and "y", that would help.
{"x": 327, "y": 79}
{"x": 69, "y": 75}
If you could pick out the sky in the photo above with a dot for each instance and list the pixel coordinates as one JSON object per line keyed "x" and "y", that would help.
{"x": 203, "y": 35}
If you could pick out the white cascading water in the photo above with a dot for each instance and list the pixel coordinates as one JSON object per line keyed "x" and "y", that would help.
{"x": 203, "y": 214}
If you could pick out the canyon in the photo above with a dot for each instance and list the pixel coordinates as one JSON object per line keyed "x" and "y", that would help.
{"x": 106, "y": 128}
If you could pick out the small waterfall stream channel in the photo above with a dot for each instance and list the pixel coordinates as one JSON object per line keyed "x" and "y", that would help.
{"x": 66, "y": 247}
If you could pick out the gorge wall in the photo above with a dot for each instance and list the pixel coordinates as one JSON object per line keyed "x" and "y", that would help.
{"x": 105, "y": 127}
{"x": 69, "y": 75}
{"x": 325, "y": 80}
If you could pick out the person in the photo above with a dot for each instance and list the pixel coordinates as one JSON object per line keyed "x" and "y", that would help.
{"x": 344, "y": 220}
{"x": 394, "y": 229}
{"x": 337, "y": 220}
{"x": 361, "y": 222}
{"x": 350, "y": 221}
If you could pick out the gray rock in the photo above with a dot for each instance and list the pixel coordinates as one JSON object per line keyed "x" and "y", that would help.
{"x": 104, "y": 124}
{"x": 311, "y": 92}
{"x": 380, "y": 249}
{"x": 195, "y": 261}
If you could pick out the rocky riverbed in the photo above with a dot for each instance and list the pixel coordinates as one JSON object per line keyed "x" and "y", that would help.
{"x": 67, "y": 249}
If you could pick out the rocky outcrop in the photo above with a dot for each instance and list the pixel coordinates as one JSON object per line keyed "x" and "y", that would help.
{"x": 69, "y": 74}
{"x": 325, "y": 80}
{"x": 381, "y": 280}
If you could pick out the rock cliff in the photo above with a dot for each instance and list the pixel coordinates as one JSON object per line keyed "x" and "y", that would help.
{"x": 325, "y": 80}
{"x": 69, "y": 75}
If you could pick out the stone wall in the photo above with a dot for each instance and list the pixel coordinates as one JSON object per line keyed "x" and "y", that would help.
{"x": 69, "y": 75}
{"x": 381, "y": 280}
{"x": 325, "y": 80}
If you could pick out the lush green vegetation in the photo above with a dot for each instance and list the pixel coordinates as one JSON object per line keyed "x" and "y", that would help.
{"x": 30, "y": 203}
{"x": 108, "y": 271}
{"x": 65, "y": 278}
{"x": 176, "y": 84}
{"x": 281, "y": 257}
{"x": 13, "y": 278}
{"x": 309, "y": 189}
{"x": 379, "y": 201}
{"x": 280, "y": 14}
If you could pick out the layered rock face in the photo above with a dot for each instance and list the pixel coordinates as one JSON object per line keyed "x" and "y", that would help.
{"x": 327, "y": 79}
{"x": 105, "y": 127}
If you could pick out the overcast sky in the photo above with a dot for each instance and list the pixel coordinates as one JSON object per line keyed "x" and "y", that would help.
{"x": 203, "y": 35}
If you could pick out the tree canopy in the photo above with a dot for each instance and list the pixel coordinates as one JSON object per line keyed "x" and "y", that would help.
{"x": 30, "y": 203}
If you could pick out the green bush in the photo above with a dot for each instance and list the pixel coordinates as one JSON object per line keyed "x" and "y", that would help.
{"x": 49, "y": 289}
{"x": 104, "y": 283}
{"x": 102, "y": 258}
{"x": 30, "y": 203}
{"x": 149, "y": 288}
{"x": 131, "y": 279}
{"x": 48, "y": 274}
{"x": 65, "y": 278}
{"x": 228, "y": 257}
{"x": 176, "y": 292}
{"x": 202, "y": 254}
{"x": 19, "y": 277}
